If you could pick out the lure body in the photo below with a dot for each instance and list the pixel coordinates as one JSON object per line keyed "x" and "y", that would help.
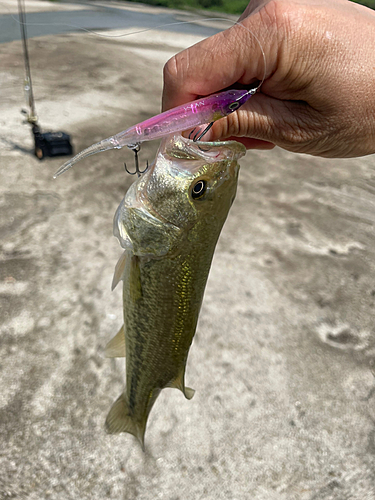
{"x": 188, "y": 116}
{"x": 168, "y": 224}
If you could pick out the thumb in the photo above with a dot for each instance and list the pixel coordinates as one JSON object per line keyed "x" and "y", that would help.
{"x": 216, "y": 63}
{"x": 266, "y": 121}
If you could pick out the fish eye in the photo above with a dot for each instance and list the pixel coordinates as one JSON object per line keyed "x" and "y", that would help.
{"x": 199, "y": 189}
{"x": 233, "y": 106}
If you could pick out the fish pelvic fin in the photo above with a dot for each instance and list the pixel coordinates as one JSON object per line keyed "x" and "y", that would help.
{"x": 119, "y": 420}
{"x": 179, "y": 383}
{"x": 119, "y": 271}
{"x": 116, "y": 346}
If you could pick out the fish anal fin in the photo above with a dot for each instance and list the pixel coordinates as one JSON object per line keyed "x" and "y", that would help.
{"x": 116, "y": 346}
{"x": 179, "y": 383}
{"x": 119, "y": 271}
{"x": 119, "y": 420}
{"x": 189, "y": 392}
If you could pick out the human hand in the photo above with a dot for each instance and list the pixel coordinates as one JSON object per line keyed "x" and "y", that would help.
{"x": 318, "y": 96}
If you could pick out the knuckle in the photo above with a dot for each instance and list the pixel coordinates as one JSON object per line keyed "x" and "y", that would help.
{"x": 274, "y": 14}
{"x": 235, "y": 127}
{"x": 176, "y": 70}
{"x": 281, "y": 18}
{"x": 299, "y": 135}
{"x": 293, "y": 134}
{"x": 170, "y": 70}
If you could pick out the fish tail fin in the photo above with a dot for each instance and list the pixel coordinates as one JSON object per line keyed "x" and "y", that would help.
{"x": 119, "y": 420}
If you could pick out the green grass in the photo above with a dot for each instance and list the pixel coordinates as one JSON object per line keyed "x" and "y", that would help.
{"x": 367, "y": 3}
{"x": 227, "y": 6}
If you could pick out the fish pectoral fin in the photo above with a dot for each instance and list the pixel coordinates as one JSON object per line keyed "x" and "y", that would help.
{"x": 119, "y": 271}
{"x": 179, "y": 383}
{"x": 119, "y": 420}
{"x": 116, "y": 346}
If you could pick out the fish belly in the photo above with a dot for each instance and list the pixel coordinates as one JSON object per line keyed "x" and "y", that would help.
{"x": 162, "y": 300}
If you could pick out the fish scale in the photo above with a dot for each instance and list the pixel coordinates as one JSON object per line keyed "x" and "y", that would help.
{"x": 163, "y": 284}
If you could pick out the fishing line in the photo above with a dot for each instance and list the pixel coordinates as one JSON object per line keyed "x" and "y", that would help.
{"x": 189, "y": 116}
{"x": 155, "y": 28}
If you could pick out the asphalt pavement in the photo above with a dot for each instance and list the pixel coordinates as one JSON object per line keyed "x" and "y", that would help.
{"x": 283, "y": 359}
{"x": 93, "y": 16}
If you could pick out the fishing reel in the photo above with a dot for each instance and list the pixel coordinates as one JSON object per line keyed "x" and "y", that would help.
{"x": 48, "y": 144}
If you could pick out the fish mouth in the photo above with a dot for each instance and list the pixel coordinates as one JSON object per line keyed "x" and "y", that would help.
{"x": 181, "y": 147}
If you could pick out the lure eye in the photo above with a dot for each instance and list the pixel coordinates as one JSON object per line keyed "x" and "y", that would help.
{"x": 199, "y": 189}
{"x": 233, "y": 106}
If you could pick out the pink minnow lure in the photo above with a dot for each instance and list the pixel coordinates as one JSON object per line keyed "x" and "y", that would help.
{"x": 190, "y": 115}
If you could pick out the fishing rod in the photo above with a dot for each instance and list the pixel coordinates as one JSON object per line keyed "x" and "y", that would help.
{"x": 45, "y": 143}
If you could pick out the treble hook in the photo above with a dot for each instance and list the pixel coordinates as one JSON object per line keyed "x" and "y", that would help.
{"x": 136, "y": 148}
{"x": 198, "y": 136}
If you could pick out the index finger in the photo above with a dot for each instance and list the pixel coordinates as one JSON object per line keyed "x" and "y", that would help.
{"x": 231, "y": 56}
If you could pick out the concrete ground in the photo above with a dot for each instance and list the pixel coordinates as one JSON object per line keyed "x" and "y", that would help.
{"x": 283, "y": 357}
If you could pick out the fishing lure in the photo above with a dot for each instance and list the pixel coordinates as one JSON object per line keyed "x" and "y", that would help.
{"x": 193, "y": 114}
{"x": 203, "y": 111}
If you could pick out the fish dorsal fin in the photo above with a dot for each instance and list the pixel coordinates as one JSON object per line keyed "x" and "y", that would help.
{"x": 116, "y": 346}
{"x": 179, "y": 383}
{"x": 119, "y": 420}
{"x": 119, "y": 271}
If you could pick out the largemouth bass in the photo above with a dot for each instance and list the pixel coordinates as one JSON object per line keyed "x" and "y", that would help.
{"x": 168, "y": 224}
